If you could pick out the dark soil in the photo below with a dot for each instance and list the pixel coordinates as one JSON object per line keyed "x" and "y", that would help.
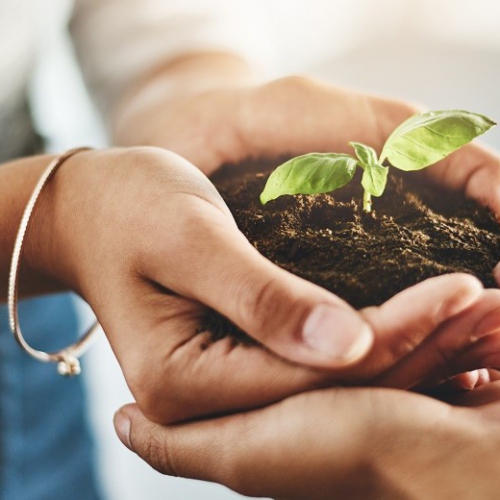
{"x": 416, "y": 231}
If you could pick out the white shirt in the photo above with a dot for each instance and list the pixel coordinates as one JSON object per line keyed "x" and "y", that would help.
{"x": 116, "y": 41}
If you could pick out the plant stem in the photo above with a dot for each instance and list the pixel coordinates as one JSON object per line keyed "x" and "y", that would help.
{"x": 367, "y": 201}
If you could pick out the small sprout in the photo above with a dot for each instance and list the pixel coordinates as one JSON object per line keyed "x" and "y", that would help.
{"x": 417, "y": 143}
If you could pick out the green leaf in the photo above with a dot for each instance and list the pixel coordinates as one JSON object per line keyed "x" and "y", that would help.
{"x": 374, "y": 177}
{"x": 309, "y": 174}
{"x": 429, "y": 137}
{"x": 366, "y": 155}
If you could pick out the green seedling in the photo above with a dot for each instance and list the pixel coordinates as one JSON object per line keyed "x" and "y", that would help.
{"x": 417, "y": 143}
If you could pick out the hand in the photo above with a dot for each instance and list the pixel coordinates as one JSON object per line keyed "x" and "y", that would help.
{"x": 292, "y": 115}
{"x": 336, "y": 443}
{"x": 149, "y": 243}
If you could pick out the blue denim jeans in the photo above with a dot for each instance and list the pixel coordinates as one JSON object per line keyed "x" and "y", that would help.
{"x": 46, "y": 448}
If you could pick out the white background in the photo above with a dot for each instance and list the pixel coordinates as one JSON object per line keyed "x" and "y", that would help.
{"x": 443, "y": 53}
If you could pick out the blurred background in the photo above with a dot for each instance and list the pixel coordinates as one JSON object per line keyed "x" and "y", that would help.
{"x": 442, "y": 53}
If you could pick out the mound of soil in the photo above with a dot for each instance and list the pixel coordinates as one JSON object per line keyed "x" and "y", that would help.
{"x": 415, "y": 231}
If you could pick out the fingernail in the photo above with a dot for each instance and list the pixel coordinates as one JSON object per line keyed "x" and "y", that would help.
{"x": 467, "y": 381}
{"x": 338, "y": 333}
{"x": 122, "y": 427}
{"x": 483, "y": 377}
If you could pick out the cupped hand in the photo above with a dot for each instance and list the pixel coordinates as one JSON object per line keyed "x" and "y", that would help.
{"x": 336, "y": 443}
{"x": 296, "y": 115}
{"x": 292, "y": 115}
{"x": 149, "y": 243}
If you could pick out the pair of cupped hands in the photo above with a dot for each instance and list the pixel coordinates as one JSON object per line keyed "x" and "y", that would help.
{"x": 152, "y": 245}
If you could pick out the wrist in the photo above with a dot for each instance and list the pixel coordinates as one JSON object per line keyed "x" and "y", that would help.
{"x": 93, "y": 224}
{"x": 141, "y": 113}
{"x": 46, "y": 251}
{"x": 18, "y": 180}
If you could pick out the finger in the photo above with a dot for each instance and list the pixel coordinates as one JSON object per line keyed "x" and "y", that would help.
{"x": 198, "y": 450}
{"x": 315, "y": 440}
{"x": 246, "y": 452}
{"x": 464, "y": 381}
{"x": 493, "y": 375}
{"x": 177, "y": 374}
{"x": 221, "y": 269}
{"x": 472, "y": 379}
{"x": 475, "y": 170}
{"x": 484, "y": 353}
{"x": 484, "y": 395}
{"x": 469, "y": 380}
{"x": 448, "y": 352}
{"x": 195, "y": 376}
{"x": 483, "y": 377}
{"x": 458, "y": 384}
{"x": 411, "y": 316}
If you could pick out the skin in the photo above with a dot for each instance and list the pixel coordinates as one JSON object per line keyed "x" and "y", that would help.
{"x": 222, "y": 115}
{"x": 170, "y": 248}
{"x": 336, "y": 443}
{"x": 212, "y": 109}
{"x": 149, "y": 291}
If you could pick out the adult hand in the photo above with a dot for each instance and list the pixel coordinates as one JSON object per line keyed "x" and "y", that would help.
{"x": 214, "y": 117}
{"x": 292, "y": 115}
{"x": 336, "y": 443}
{"x": 227, "y": 123}
{"x": 148, "y": 242}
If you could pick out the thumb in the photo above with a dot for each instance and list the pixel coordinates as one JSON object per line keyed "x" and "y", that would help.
{"x": 186, "y": 450}
{"x": 220, "y": 450}
{"x": 295, "y": 319}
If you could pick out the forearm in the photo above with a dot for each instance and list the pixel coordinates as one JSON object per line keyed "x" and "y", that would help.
{"x": 17, "y": 181}
{"x": 139, "y": 116}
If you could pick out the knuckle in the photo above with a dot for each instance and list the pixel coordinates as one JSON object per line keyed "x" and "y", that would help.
{"x": 149, "y": 390}
{"x": 139, "y": 159}
{"x": 144, "y": 162}
{"x": 150, "y": 404}
{"x": 288, "y": 88}
{"x": 299, "y": 83}
{"x": 158, "y": 454}
{"x": 400, "y": 348}
{"x": 466, "y": 289}
{"x": 271, "y": 308}
{"x": 142, "y": 153}
{"x": 152, "y": 409}
{"x": 257, "y": 304}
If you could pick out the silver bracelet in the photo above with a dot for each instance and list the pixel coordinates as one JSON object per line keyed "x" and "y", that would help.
{"x": 67, "y": 358}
